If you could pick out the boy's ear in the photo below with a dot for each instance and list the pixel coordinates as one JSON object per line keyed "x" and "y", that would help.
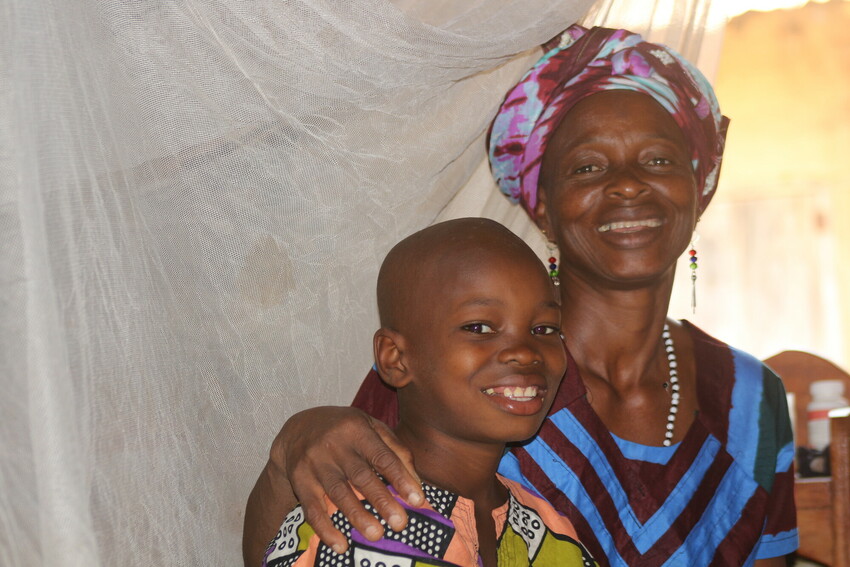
{"x": 389, "y": 347}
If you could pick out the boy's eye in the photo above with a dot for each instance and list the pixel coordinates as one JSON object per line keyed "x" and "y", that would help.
{"x": 544, "y": 330}
{"x": 478, "y": 328}
{"x": 589, "y": 168}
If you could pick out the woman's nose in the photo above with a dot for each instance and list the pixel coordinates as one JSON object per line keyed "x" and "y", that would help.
{"x": 626, "y": 183}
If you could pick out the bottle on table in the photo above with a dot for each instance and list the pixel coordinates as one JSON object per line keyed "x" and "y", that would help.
{"x": 826, "y": 395}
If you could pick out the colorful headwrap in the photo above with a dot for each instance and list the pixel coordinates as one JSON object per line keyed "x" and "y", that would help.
{"x": 581, "y": 62}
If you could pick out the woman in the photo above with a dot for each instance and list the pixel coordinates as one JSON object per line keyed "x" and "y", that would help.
{"x": 664, "y": 446}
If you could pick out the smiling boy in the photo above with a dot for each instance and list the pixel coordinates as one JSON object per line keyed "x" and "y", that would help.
{"x": 470, "y": 339}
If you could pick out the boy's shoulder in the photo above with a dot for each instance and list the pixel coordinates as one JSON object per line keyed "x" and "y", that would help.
{"x": 425, "y": 539}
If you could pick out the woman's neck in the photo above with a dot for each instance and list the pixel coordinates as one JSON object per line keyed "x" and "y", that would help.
{"x": 612, "y": 333}
{"x": 615, "y": 339}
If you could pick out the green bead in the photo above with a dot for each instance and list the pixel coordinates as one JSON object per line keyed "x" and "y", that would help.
{"x": 553, "y": 273}
{"x": 694, "y": 266}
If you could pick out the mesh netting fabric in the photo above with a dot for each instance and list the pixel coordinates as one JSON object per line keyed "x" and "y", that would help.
{"x": 194, "y": 200}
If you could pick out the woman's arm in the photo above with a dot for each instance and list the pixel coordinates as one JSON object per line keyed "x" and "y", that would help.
{"x": 322, "y": 452}
{"x": 269, "y": 502}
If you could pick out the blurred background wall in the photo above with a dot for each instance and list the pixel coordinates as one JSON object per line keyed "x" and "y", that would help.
{"x": 774, "y": 248}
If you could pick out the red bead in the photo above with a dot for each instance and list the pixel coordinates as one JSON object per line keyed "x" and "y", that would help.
{"x": 552, "y": 260}
{"x": 693, "y": 252}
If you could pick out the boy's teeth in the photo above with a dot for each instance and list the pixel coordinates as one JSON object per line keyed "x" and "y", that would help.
{"x": 651, "y": 223}
{"x": 517, "y": 393}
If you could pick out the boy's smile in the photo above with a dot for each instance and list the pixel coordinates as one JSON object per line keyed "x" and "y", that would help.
{"x": 518, "y": 400}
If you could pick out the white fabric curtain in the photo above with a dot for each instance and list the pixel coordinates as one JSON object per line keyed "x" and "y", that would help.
{"x": 194, "y": 199}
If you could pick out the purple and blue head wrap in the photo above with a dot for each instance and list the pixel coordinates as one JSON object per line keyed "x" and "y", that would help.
{"x": 581, "y": 62}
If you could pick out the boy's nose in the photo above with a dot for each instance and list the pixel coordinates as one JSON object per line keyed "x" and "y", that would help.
{"x": 520, "y": 352}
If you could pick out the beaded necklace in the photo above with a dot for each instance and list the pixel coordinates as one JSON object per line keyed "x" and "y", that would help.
{"x": 672, "y": 384}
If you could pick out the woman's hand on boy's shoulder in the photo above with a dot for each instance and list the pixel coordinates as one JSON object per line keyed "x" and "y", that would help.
{"x": 327, "y": 450}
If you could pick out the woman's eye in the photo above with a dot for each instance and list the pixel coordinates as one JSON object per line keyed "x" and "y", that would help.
{"x": 544, "y": 330}
{"x": 659, "y": 161}
{"x": 478, "y": 328}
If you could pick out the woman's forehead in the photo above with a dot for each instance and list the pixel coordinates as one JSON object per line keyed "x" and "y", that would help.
{"x": 603, "y": 116}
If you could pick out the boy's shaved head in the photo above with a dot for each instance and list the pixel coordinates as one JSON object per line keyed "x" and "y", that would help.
{"x": 424, "y": 259}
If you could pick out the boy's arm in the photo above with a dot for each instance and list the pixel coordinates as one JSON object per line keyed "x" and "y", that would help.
{"x": 318, "y": 452}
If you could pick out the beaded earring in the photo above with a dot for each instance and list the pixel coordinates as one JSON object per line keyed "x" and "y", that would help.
{"x": 553, "y": 263}
{"x": 693, "y": 266}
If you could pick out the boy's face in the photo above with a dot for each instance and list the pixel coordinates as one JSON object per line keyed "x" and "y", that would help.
{"x": 485, "y": 349}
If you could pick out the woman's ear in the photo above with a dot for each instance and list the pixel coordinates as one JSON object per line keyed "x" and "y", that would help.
{"x": 389, "y": 347}
{"x": 540, "y": 218}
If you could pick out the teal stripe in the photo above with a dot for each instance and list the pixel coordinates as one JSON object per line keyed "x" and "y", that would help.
{"x": 774, "y": 427}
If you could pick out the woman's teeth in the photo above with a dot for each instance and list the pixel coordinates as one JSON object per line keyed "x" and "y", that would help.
{"x": 650, "y": 223}
{"x": 518, "y": 393}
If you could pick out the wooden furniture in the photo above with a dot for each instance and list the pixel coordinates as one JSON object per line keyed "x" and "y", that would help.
{"x": 823, "y": 504}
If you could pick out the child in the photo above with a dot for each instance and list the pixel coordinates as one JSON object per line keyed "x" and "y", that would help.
{"x": 470, "y": 339}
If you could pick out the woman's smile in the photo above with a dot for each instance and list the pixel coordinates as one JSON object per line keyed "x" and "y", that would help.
{"x": 631, "y": 234}
{"x": 629, "y": 226}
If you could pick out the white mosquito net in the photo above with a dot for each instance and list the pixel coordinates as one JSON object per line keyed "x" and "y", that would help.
{"x": 194, "y": 200}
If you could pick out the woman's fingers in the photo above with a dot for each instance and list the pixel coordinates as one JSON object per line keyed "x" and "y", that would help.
{"x": 372, "y": 454}
{"x": 317, "y": 483}
{"x": 383, "y": 453}
{"x": 329, "y": 450}
{"x": 316, "y": 513}
{"x": 396, "y": 465}
{"x": 352, "y": 508}
{"x": 376, "y": 492}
